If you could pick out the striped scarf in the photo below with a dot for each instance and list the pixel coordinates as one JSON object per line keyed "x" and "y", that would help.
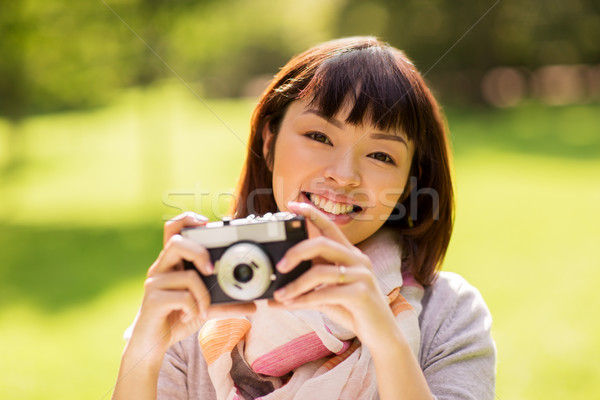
{"x": 278, "y": 354}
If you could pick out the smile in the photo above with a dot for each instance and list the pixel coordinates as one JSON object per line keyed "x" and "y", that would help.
{"x": 331, "y": 206}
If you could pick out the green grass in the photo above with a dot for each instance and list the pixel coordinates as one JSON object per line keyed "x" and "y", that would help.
{"x": 81, "y": 217}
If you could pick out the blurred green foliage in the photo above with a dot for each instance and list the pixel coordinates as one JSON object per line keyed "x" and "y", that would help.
{"x": 529, "y": 33}
{"x": 69, "y": 55}
{"x": 455, "y": 43}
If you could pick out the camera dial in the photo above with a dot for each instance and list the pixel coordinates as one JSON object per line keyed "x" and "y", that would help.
{"x": 244, "y": 271}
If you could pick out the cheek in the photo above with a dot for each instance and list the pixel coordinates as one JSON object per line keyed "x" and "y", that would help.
{"x": 286, "y": 175}
{"x": 292, "y": 161}
{"x": 284, "y": 155}
{"x": 388, "y": 191}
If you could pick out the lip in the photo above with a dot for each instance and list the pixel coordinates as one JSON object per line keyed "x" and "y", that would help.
{"x": 339, "y": 219}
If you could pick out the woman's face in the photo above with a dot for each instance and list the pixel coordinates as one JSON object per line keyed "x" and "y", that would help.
{"x": 353, "y": 173}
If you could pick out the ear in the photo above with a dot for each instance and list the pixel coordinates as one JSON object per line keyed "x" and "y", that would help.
{"x": 268, "y": 137}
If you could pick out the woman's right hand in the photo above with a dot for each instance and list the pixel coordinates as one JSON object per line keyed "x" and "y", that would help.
{"x": 176, "y": 301}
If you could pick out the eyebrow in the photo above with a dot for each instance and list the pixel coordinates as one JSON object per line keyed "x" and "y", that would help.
{"x": 338, "y": 124}
{"x": 318, "y": 113}
{"x": 387, "y": 136}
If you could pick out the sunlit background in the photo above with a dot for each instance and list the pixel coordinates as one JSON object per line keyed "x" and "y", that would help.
{"x": 116, "y": 115}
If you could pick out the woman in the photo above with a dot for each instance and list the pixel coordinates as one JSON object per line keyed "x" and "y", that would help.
{"x": 349, "y": 136}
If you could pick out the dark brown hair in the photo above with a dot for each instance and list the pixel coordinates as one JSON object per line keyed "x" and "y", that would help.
{"x": 389, "y": 93}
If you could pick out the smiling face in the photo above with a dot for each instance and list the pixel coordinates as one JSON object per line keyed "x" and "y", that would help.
{"x": 353, "y": 173}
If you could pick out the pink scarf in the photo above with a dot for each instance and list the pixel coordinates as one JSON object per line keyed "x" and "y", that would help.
{"x": 278, "y": 354}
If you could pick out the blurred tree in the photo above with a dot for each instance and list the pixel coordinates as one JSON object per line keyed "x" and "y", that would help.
{"x": 221, "y": 46}
{"x": 54, "y": 56}
{"x": 153, "y": 20}
{"x": 454, "y": 43}
{"x": 66, "y": 55}
{"x": 14, "y": 32}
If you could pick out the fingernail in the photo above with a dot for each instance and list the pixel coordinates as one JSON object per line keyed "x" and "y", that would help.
{"x": 295, "y": 204}
{"x": 281, "y": 265}
{"x": 200, "y": 217}
{"x": 205, "y": 315}
{"x": 210, "y": 268}
{"x": 279, "y": 293}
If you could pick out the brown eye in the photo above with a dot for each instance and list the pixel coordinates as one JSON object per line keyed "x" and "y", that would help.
{"x": 318, "y": 137}
{"x": 383, "y": 157}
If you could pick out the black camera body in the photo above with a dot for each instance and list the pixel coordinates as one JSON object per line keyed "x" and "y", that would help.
{"x": 244, "y": 253}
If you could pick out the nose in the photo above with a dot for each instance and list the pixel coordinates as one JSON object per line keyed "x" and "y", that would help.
{"x": 343, "y": 169}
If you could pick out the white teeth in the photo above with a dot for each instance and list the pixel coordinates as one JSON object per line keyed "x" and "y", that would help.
{"x": 336, "y": 208}
{"x": 330, "y": 206}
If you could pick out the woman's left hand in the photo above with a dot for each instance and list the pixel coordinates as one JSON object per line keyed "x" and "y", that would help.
{"x": 341, "y": 283}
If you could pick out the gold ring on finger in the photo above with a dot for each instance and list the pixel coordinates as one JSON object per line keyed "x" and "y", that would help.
{"x": 342, "y": 275}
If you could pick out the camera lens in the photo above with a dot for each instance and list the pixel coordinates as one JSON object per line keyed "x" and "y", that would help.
{"x": 242, "y": 273}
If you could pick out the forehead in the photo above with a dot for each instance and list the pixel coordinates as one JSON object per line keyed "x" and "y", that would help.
{"x": 307, "y": 108}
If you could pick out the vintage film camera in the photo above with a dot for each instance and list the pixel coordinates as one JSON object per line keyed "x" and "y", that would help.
{"x": 244, "y": 253}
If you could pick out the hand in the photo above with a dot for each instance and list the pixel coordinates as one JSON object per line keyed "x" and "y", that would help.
{"x": 353, "y": 299}
{"x": 176, "y": 302}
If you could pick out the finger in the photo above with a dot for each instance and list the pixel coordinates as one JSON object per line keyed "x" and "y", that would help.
{"x": 181, "y": 280}
{"x": 177, "y": 249}
{"x": 327, "y": 227}
{"x": 316, "y": 278}
{"x": 185, "y": 220}
{"x": 164, "y": 302}
{"x": 309, "y": 249}
{"x": 273, "y": 303}
{"x": 338, "y": 295}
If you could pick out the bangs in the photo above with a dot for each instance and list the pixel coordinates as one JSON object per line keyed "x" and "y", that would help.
{"x": 379, "y": 83}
